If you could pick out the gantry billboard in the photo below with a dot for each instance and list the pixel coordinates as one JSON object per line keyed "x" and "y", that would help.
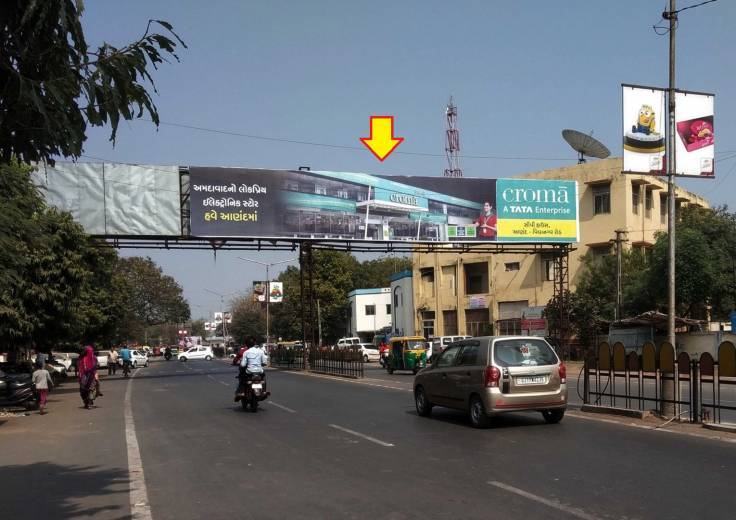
{"x": 289, "y": 204}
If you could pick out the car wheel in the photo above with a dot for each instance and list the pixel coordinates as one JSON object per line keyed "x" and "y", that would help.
{"x": 365, "y": 359}
{"x": 31, "y": 405}
{"x": 478, "y": 417}
{"x": 424, "y": 407}
{"x": 135, "y": 364}
{"x": 207, "y": 358}
{"x": 553, "y": 416}
{"x": 390, "y": 370}
{"x": 182, "y": 358}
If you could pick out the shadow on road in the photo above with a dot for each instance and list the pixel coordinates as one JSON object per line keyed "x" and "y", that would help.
{"x": 507, "y": 420}
{"x": 47, "y": 490}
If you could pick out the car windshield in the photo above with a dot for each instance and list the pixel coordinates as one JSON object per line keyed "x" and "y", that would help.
{"x": 414, "y": 344}
{"x": 523, "y": 352}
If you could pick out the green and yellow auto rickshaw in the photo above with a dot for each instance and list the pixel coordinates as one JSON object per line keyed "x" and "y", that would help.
{"x": 406, "y": 353}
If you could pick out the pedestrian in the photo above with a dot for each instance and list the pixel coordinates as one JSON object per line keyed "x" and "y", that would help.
{"x": 42, "y": 380}
{"x": 87, "y": 372}
{"x": 112, "y": 362}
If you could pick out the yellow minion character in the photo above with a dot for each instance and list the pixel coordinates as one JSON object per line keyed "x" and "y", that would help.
{"x": 646, "y": 122}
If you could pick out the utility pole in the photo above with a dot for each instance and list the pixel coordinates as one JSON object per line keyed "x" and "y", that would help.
{"x": 619, "y": 296}
{"x": 668, "y": 391}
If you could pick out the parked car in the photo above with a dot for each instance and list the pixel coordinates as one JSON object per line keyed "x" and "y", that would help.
{"x": 17, "y": 389}
{"x": 369, "y": 352}
{"x": 490, "y": 375}
{"x": 197, "y": 353}
{"x": 57, "y": 370}
{"x": 68, "y": 359}
{"x": 348, "y": 342}
{"x": 440, "y": 343}
{"x": 101, "y": 356}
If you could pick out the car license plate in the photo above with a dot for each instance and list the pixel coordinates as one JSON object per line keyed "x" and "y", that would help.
{"x": 257, "y": 385}
{"x": 531, "y": 380}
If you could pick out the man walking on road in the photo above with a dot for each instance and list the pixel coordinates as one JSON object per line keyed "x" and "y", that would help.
{"x": 112, "y": 362}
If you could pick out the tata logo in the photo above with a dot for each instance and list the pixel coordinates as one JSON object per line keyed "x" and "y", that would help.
{"x": 549, "y": 196}
{"x": 404, "y": 199}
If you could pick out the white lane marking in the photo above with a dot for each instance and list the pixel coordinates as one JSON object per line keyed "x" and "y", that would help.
{"x": 140, "y": 509}
{"x": 574, "y": 511}
{"x": 344, "y": 380}
{"x": 361, "y": 435}
{"x": 223, "y": 383}
{"x": 210, "y": 377}
{"x": 285, "y": 408}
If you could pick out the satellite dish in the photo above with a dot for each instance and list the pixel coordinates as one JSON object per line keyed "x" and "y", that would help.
{"x": 585, "y": 145}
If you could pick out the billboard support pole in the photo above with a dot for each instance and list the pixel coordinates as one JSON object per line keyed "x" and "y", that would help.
{"x": 667, "y": 392}
{"x": 302, "y": 266}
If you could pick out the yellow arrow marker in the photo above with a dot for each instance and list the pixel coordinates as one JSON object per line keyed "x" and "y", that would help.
{"x": 382, "y": 141}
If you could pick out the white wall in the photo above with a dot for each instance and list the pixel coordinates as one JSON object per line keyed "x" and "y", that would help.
{"x": 360, "y": 322}
{"x": 403, "y": 310}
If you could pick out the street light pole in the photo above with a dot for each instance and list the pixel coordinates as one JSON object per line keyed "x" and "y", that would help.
{"x": 268, "y": 266}
{"x": 222, "y": 311}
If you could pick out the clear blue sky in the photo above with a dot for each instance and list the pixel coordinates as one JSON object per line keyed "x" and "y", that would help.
{"x": 520, "y": 72}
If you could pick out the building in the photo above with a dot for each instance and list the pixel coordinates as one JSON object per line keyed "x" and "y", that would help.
{"x": 481, "y": 293}
{"x": 402, "y": 310}
{"x": 370, "y": 311}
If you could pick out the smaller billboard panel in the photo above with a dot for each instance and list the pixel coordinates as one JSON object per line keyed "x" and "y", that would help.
{"x": 276, "y": 292}
{"x": 218, "y": 317}
{"x": 695, "y": 140}
{"x": 259, "y": 291}
{"x": 643, "y": 130}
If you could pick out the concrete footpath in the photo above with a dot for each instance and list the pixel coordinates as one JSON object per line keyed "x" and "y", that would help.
{"x": 70, "y": 463}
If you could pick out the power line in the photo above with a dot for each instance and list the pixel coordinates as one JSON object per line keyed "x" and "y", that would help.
{"x": 344, "y": 147}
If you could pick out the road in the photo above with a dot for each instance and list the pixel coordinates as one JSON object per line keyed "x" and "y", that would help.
{"x": 330, "y": 448}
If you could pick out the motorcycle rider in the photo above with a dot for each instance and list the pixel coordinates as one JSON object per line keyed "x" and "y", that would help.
{"x": 167, "y": 353}
{"x": 126, "y": 356}
{"x": 252, "y": 363}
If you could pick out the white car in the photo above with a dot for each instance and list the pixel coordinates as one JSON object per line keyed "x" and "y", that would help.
{"x": 348, "y": 342}
{"x": 369, "y": 352}
{"x": 66, "y": 359}
{"x": 197, "y": 353}
{"x": 101, "y": 356}
{"x": 140, "y": 359}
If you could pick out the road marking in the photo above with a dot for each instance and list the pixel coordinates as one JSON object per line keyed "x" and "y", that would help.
{"x": 140, "y": 509}
{"x": 362, "y": 436}
{"x": 574, "y": 511}
{"x": 223, "y": 383}
{"x": 344, "y": 380}
{"x": 285, "y": 408}
{"x": 210, "y": 377}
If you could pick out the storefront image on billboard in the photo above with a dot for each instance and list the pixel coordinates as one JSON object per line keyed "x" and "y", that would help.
{"x": 321, "y": 205}
{"x": 644, "y": 127}
{"x": 695, "y": 140}
{"x": 259, "y": 291}
{"x": 275, "y": 292}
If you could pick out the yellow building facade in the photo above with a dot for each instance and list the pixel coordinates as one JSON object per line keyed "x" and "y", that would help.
{"x": 482, "y": 293}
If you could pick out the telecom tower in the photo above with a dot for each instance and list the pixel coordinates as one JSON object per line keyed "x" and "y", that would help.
{"x": 452, "y": 142}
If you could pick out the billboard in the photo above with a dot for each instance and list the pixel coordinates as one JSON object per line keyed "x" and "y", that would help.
{"x": 695, "y": 140}
{"x": 644, "y": 127}
{"x": 274, "y": 289}
{"x": 288, "y": 204}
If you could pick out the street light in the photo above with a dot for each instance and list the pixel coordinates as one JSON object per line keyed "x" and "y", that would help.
{"x": 222, "y": 310}
{"x": 268, "y": 286}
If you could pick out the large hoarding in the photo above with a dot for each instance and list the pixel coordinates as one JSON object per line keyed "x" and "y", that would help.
{"x": 695, "y": 140}
{"x": 644, "y": 128}
{"x": 287, "y": 204}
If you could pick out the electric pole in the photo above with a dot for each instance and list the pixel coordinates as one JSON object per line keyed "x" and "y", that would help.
{"x": 619, "y": 296}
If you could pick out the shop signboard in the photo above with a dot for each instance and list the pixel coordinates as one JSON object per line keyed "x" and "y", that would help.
{"x": 318, "y": 205}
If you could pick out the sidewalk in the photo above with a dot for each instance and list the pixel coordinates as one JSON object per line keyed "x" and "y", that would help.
{"x": 69, "y": 463}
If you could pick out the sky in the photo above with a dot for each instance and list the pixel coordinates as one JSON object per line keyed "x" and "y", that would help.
{"x": 313, "y": 70}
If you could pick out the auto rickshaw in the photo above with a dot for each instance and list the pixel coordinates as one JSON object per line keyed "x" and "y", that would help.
{"x": 406, "y": 353}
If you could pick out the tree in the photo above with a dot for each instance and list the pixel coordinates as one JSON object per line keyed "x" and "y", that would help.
{"x": 249, "y": 320}
{"x": 54, "y": 86}
{"x": 152, "y": 298}
{"x": 377, "y": 273}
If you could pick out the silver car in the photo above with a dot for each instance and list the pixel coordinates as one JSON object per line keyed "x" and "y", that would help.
{"x": 494, "y": 374}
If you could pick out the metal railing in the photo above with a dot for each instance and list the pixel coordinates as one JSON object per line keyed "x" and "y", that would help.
{"x": 704, "y": 390}
{"x": 346, "y": 362}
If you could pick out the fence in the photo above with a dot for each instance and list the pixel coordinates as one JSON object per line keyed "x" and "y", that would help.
{"x": 347, "y": 362}
{"x": 704, "y": 389}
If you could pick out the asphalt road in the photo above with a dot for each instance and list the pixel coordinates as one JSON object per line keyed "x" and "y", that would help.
{"x": 325, "y": 448}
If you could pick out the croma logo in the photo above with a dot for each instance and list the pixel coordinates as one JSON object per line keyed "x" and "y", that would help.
{"x": 404, "y": 199}
{"x": 550, "y": 195}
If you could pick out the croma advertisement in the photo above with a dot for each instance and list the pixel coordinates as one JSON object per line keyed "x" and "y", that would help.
{"x": 288, "y": 204}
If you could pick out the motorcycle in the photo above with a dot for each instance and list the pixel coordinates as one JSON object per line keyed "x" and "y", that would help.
{"x": 255, "y": 392}
{"x": 17, "y": 392}
{"x": 126, "y": 368}
{"x": 167, "y": 356}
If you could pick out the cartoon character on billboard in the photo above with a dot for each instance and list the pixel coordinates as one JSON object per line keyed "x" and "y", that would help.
{"x": 646, "y": 122}
{"x": 486, "y": 223}
{"x": 644, "y": 137}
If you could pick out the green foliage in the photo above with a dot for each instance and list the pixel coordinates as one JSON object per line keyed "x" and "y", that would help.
{"x": 249, "y": 320}
{"x": 53, "y": 86}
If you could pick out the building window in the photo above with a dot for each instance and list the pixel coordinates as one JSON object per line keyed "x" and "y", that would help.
{"x": 477, "y": 322}
{"x": 476, "y": 278}
{"x": 370, "y": 310}
{"x": 663, "y": 208}
{"x": 388, "y": 308}
{"x": 649, "y": 201}
{"x": 600, "y": 250}
{"x": 427, "y": 284}
{"x": 548, "y": 268}
{"x": 512, "y": 266}
{"x": 428, "y": 324}
{"x": 601, "y": 199}
{"x": 510, "y": 327}
{"x": 449, "y": 319}
{"x": 635, "y": 199}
